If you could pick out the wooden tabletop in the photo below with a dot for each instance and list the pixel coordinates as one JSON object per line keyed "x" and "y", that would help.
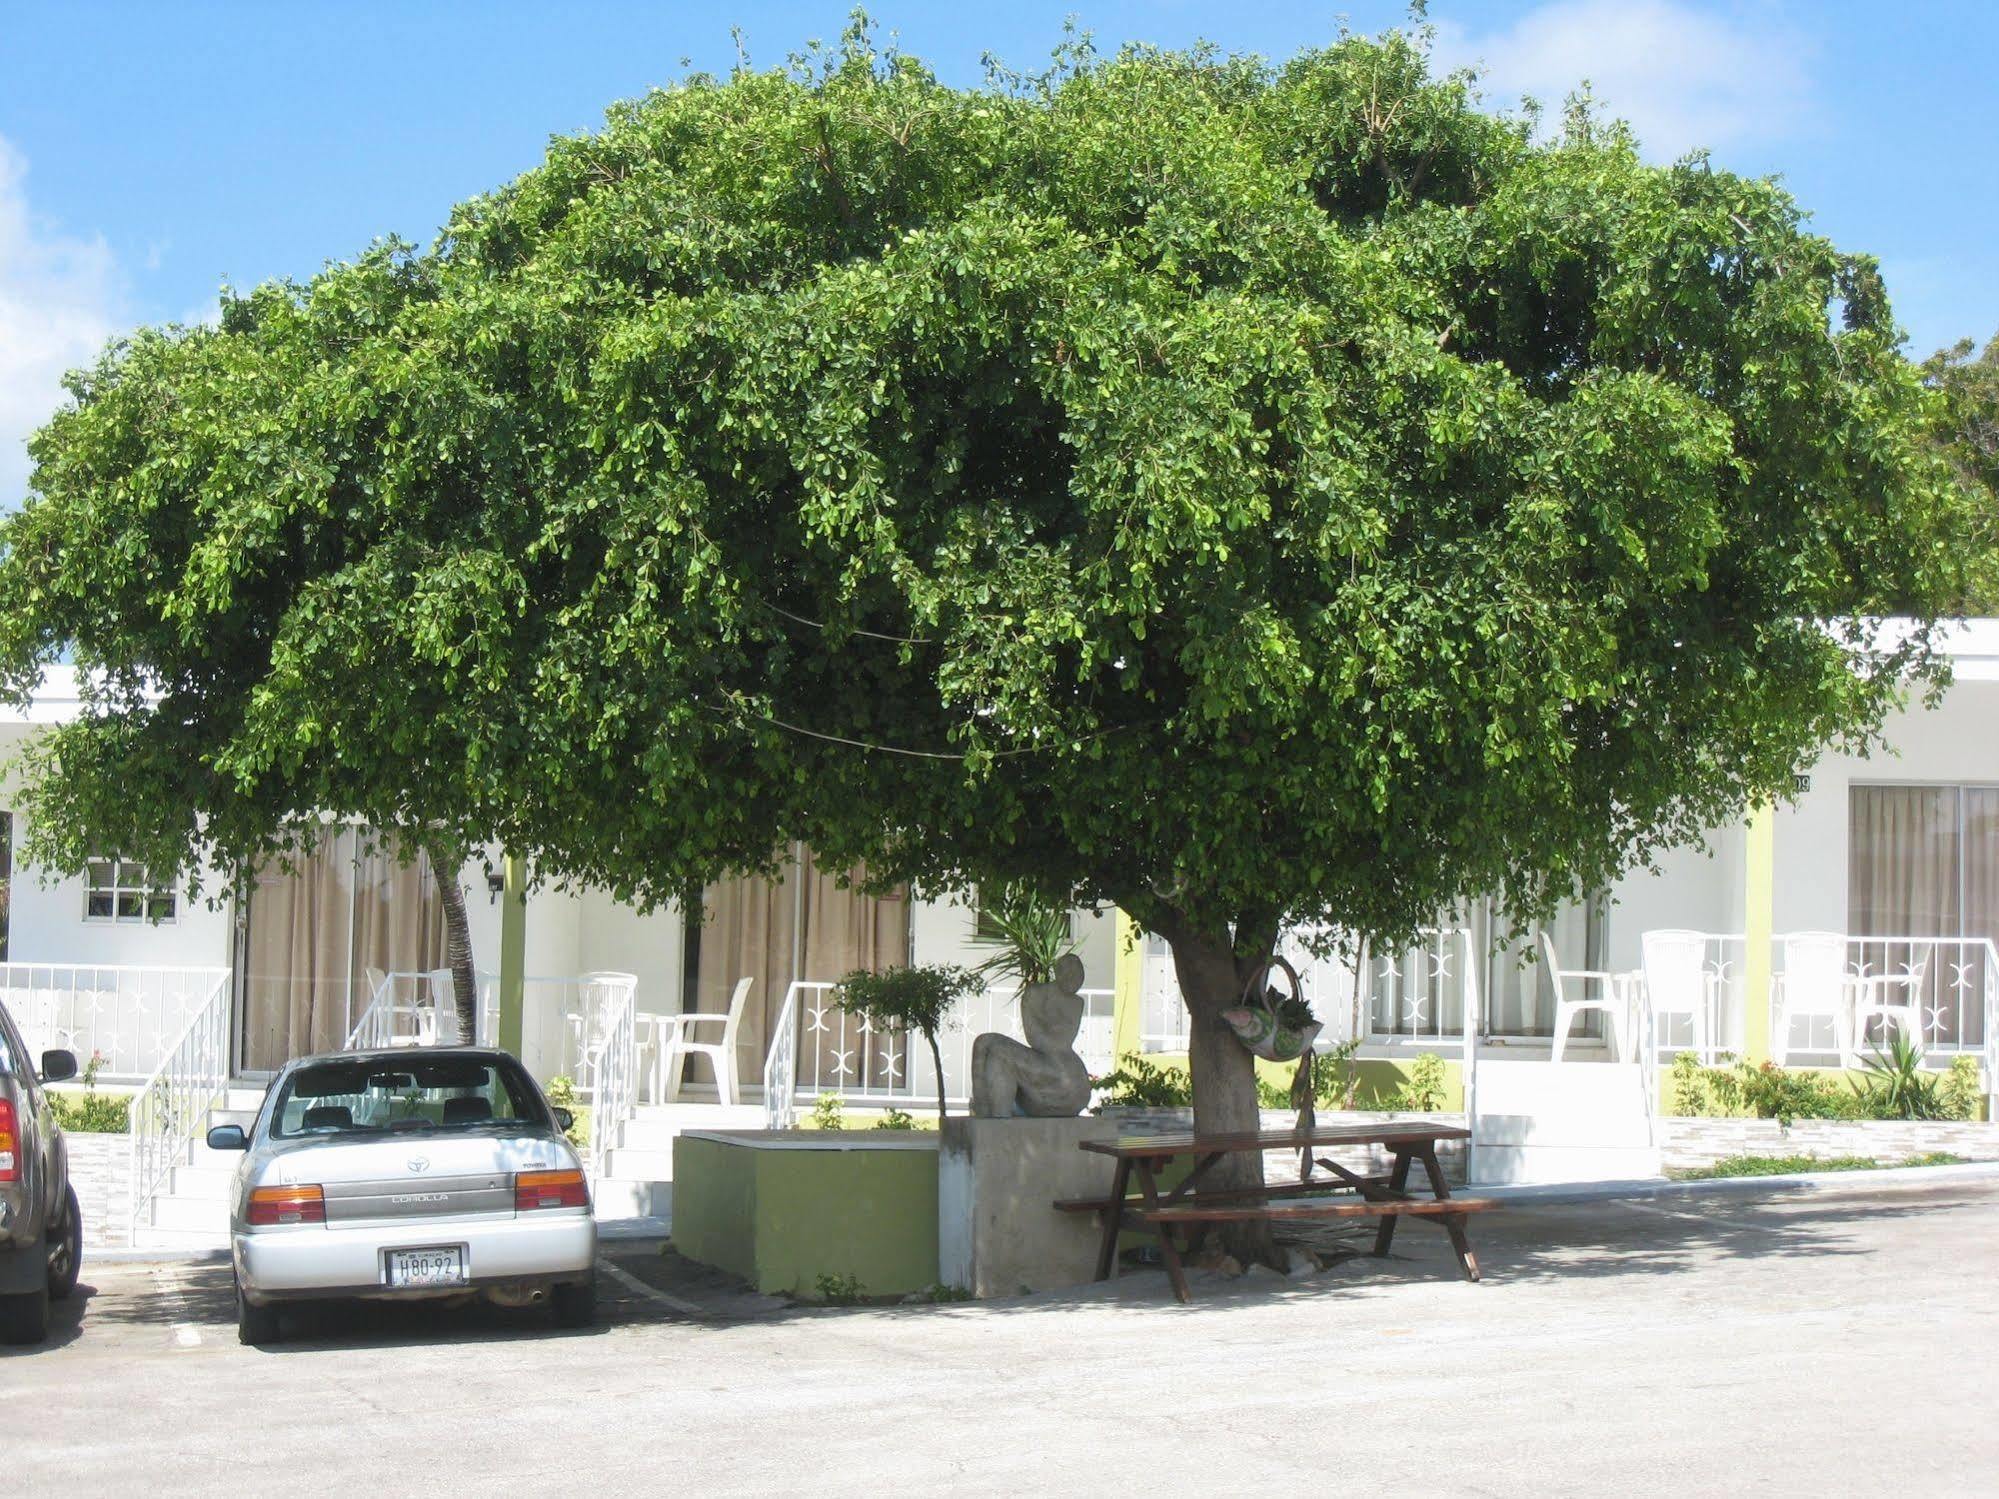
{"x": 1138, "y": 1147}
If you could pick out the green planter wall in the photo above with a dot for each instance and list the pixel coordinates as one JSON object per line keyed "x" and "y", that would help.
{"x": 781, "y": 1208}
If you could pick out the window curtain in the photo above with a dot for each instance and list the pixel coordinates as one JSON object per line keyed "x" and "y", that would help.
{"x": 313, "y": 934}
{"x": 801, "y": 925}
{"x": 1420, "y": 992}
{"x": 1920, "y": 863}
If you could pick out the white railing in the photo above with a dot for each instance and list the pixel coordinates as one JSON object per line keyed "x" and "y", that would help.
{"x": 1420, "y": 995}
{"x": 826, "y": 1050}
{"x": 781, "y": 1067}
{"x": 128, "y": 1016}
{"x": 171, "y": 1108}
{"x": 1957, "y": 998}
{"x": 608, "y": 1074}
{"x": 410, "y": 1009}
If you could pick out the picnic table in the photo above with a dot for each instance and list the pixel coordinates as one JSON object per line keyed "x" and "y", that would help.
{"x": 1343, "y": 1193}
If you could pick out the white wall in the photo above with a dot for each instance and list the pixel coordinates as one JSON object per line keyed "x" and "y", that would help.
{"x": 941, "y": 931}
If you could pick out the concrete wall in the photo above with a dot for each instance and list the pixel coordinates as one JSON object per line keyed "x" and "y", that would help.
{"x": 1692, "y": 1143}
{"x": 782, "y": 1209}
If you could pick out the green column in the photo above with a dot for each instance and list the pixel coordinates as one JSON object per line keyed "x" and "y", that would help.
{"x": 1759, "y": 886}
{"x": 513, "y": 951}
{"x": 1127, "y": 990}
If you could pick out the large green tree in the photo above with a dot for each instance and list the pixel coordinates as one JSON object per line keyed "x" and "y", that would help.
{"x": 1249, "y": 494}
{"x": 1968, "y": 381}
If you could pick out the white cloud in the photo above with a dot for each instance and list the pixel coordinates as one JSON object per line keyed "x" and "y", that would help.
{"x": 60, "y": 299}
{"x": 1684, "y": 76}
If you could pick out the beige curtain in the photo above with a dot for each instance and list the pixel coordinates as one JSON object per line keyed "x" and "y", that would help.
{"x": 748, "y": 932}
{"x": 313, "y": 934}
{"x": 297, "y": 964}
{"x": 1902, "y": 861}
{"x": 1980, "y": 853}
{"x": 845, "y": 930}
{"x": 801, "y": 925}
{"x": 1412, "y": 994}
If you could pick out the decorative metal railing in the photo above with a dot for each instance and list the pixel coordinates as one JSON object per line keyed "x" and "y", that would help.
{"x": 818, "y": 1048}
{"x": 171, "y": 1107}
{"x": 609, "y": 1070}
{"x": 127, "y": 1016}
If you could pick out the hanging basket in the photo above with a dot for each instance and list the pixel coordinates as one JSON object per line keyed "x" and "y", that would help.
{"x": 1267, "y": 1021}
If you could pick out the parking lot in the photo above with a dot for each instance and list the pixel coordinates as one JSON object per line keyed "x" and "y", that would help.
{"x": 1794, "y": 1343}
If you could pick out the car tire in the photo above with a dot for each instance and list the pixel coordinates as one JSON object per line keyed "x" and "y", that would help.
{"x": 575, "y": 1303}
{"x": 25, "y": 1318}
{"x": 256, "y": 1325}
{"x": 66, "y": 1250}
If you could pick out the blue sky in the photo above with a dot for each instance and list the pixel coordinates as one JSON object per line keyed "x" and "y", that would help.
{"x": 149, "y": 151}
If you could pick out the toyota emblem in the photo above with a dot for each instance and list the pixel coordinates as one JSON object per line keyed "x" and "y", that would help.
{"x": 419, "y": 1163}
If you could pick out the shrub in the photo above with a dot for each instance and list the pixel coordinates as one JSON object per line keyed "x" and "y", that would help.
{"x": 1423, "y": 1090}
{"x": 841, "y": 1290}
{"x": 895, "y": 1119}
{"x": 1959, "y": 1090}
{"x": 562, "y": 1095}
{"x": 826, "y": 1112}
{"x": 1140, "y": 1084}
{"x": 1894, "y": 1084}
{"x": 91, "y": 1112}
{"x": 916, "y": 999}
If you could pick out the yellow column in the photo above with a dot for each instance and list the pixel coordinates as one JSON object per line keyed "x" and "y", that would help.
{"x": 513, "y": 952}
{"x": 1758, "y": 923}
{"x": 1127, "y": 990}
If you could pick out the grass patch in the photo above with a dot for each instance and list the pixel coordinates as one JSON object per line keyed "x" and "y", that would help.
{"x": 1793, "y": 1165}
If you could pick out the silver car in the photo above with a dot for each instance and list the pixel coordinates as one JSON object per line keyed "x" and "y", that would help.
{"x": 413, "y": 1173}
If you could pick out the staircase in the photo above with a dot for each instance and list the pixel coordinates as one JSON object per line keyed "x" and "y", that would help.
{"x": 639, "y": 1182}
{"x": 193, "y": 1213}
{"x": 1570, "y": 1121}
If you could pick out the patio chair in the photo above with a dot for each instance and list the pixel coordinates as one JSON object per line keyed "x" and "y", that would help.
{"x": 1814, "y": 985}
{"x": 721, "y": 1055}
{"x": 1678, "y": 981}
{"x": 1612, "y": 997}
{"x": 1894, "y": 997}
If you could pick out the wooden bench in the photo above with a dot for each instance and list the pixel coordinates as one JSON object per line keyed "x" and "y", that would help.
{"x": 1343, "y": 1194}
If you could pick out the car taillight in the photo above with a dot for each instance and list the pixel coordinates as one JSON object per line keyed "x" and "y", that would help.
{"x": 270, "y": 1206}
{"x": 550, "y": 1189}
{"x": 10, "y": 1166}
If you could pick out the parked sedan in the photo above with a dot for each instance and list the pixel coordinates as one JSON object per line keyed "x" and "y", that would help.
{"x": 408, "y": 1174}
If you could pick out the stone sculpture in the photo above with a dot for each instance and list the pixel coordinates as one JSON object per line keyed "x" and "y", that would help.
{"x": 1043, "y": 1078}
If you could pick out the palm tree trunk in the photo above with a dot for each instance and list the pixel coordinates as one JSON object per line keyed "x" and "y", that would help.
{"x": 457, "y": 941}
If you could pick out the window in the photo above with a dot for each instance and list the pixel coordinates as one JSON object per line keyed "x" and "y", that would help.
{"x": 422, "y": 1095}
{"x": 1923, "y": 861}
{"x": 119, "y": 890}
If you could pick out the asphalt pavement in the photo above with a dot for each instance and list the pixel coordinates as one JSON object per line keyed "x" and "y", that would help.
{"x": 1813, "y": 1343}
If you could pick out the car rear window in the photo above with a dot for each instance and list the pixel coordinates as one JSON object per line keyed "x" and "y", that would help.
{"x": 377, "y": 1097}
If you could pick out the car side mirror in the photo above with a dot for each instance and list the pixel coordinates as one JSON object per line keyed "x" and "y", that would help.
{"x": 228, "y": 1137}
{"x": 563, "y": 1118}
{"x": 58, "y": 1066}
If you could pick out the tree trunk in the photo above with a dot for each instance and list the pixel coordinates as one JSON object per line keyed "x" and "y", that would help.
{"x": 1211, "y": 980}
{"x": 457, "y": 942}
{"x": 937, "y": 1059}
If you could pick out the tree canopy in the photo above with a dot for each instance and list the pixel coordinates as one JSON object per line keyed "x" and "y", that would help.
{"x": 1243, "y": 492}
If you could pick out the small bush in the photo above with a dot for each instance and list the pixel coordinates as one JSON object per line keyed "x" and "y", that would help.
{"x": 91, "y": 1112}
{"x": 562, "y": 1095}
{"x": 1423, "y": 1091}
{"x": 1959, "y": 1090}
{"x": 1140, "y": 1084}
{"x": 895, "y": 1119}
{"x": 826, "y": 1112}
{"x": 841, "y": 1290}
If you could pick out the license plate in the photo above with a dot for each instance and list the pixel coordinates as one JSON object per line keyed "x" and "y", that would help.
{"x": 426, "y": 1267}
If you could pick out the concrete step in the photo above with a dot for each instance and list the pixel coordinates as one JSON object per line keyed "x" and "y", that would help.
{"x": 203, "y": 1183}
{"x": 251, "y": 1098}
{"x": 615, "y": 1197}
{"x": 192, "y": 1214}
{"x": 180, "y": 1238}
{"x": 1542, "y": 1165}
{"x": 629, "y": 1163}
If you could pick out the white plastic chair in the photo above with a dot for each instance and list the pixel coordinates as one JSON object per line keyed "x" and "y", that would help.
{"x": 1813, "y": 986}
{"x": 1613, "y": 997}
{"x": 1679, "y": 982}
{"x": 720, "y": 1054}
{"x": 1894, "y": 997}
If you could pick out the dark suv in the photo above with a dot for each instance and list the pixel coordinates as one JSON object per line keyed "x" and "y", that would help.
{"x": 41, "y": 1230}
